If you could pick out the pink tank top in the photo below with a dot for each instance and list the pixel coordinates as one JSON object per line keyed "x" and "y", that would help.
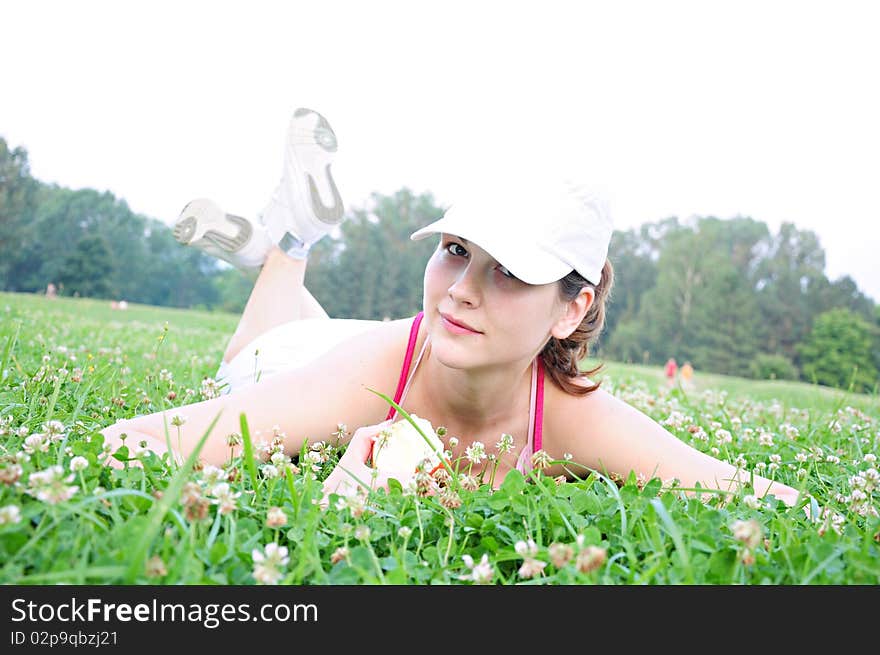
{"x": 536, "y": 402}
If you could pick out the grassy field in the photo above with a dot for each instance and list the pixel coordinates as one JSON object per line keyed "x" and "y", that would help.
{"x": 788, "y": 394}
{"x": 69, "y": 367}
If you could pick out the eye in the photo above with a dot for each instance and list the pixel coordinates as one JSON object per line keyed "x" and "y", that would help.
{"x": 505, "y": 272}
{"x": 456, "y": 249}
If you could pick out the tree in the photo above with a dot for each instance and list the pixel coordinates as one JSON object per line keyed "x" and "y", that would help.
{"x": 374, "y": 271}
{"x": 839, "y": 351}
{"x": 789, "y": 277}
{"x": 85, "y": 271}
{"x": 17, "y": 189}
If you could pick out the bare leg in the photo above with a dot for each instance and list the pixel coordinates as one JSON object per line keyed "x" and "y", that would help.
{"x": 279, "y": 296}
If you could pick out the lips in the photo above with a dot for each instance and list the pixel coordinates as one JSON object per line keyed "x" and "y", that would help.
{"x": 458, "y": 323}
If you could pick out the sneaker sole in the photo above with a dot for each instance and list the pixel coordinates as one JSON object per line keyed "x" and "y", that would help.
{"x": 325, "y": 137}
{"x": 186, "y": 228}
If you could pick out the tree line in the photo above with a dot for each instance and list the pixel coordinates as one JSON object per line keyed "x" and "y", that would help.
{"x": 729, "y": 295}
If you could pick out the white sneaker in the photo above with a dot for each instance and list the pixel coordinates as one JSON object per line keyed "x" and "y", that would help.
{"x": 306, "y": 205}
{"x": 234, "y": 239}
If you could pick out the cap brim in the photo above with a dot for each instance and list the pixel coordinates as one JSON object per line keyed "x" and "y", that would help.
{"x": 524, "y": 258}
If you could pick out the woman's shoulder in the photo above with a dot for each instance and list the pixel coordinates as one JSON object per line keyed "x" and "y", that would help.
{"x": 566, "y": 413}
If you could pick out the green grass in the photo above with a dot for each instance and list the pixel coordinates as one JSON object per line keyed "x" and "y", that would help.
{"x": 789, "y": 394}
{"x": 82, "y": 364}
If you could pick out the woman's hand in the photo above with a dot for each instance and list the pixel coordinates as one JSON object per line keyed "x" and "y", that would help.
{"x": 133, "y": 439}
{"x": 352, "y": 473}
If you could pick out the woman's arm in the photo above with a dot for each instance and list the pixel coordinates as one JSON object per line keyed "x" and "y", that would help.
{"x": 608, "y": 435}
{"x": 307, "y": 402}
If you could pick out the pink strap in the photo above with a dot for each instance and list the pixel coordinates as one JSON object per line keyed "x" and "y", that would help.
{"x": 407, "y": 362}
{"x": 536, "y": 418}
{"x": 539, "y": 407}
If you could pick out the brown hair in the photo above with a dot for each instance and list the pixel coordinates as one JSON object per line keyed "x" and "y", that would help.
{"x": 561, "y": 356}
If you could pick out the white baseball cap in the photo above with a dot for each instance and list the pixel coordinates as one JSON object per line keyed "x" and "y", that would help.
{"x": 539, "y": 232}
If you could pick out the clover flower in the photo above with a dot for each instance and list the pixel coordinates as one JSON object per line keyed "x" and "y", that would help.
{"x": 560, "y": 554}
{"x": 54, "y": 430}
{"x": 209, "y": 388}
{"x": 468, "y": 482}
{"x": 79, "y": 463}
{"x": 211, "y": 475}
{"x": 10, "y": 474}
{"x": 449, "y": 498}
{"x": 475, "y": 453}
{"x": 751, "y": 501}
{"x": 36, "y": 442}
{"x": 224, "y": 497}
{"x": 526, "y": 548}
{"x": 269, "y": 562}
{"x": 50, "y": 486}
{"x": 275, "y": 517}
{"x": 590, "y": 559}
{"x": 749, "y": 533}
{"x": 480, "y": 572}
{"x": 505, "y": 445}
{"x": 531, "y": 567}
{"x": 155, "y": 567}
{"x": 541, "y": 459}
{"x": 10, "y": 514}
{"x": 269, "y": 471}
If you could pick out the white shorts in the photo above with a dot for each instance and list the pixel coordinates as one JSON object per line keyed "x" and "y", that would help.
{"x": 287, "y": 346}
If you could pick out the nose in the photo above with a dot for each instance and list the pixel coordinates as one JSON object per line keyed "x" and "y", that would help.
{"x": 465, "y": 289}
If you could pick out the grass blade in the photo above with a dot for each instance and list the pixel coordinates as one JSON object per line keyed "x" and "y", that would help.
{"x": 158, "y": 511}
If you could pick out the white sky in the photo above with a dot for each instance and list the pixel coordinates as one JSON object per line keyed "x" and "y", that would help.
{"x": 762, "y": 109}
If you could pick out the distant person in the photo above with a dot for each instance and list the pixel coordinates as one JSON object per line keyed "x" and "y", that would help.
{"x": 51, "y": 290}
{"x": 513, "y": 295}
{"x": 687, "y": 375}
{"x": 670, "y": 370}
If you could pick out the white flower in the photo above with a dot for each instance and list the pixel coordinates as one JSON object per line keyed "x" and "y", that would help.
{"x": 79, "y": 463}
{"x": 505, "y": 445}
{"x": 276, "y": 517}
{"x": 747, "y": 532}
{"x": 526, "y": 548}
{"x": 400, "y": 447}
{"x": 752, "y": 501}
{"x": 10, "y": 514}
{"x": 54, "y": 430}
{"x": 531, "y": 567}
{"x": 211, "y": 474}
{"x": 224, "y": 497}
{"x": 268, "y": 563}
{"x": 50, "y": 485}
{"x": 209, "y": 389}
{"x": 481, "y": 572}
{"x": 36, "y": 442}
{"x": 269, "y": 471}
{"x": 475, "y": 453}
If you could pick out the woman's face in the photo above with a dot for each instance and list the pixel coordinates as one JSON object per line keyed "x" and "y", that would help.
{"x": 509, "y": 320}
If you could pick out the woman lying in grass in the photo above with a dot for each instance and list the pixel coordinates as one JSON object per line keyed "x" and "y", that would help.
{"x": 513, "y": 296}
